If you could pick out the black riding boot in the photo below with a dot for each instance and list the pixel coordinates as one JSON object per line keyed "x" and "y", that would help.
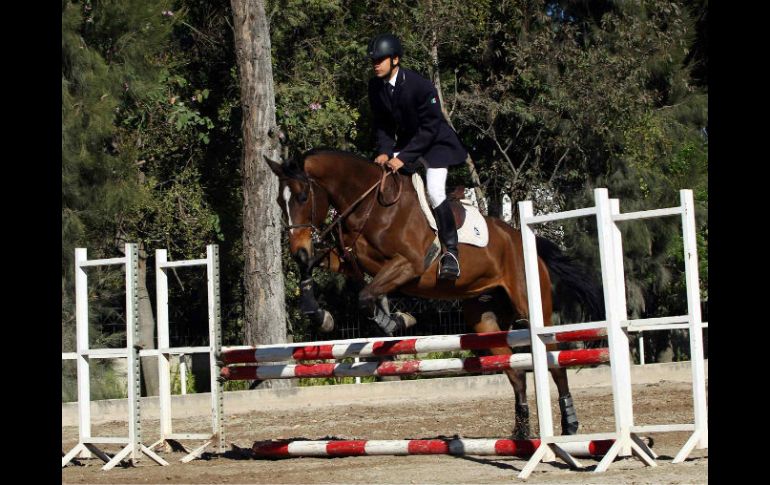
{"x": 449, "y": 265}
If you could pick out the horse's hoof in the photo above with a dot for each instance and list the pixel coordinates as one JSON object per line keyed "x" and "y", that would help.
{"x": 327, "y": 324}
{"x": 569, "y": 428}
{"x": 407, "y": 319}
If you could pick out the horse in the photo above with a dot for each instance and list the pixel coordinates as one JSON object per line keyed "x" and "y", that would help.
{"x": 387, "y": 237}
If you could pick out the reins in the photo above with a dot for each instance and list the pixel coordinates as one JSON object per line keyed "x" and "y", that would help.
{"x": 380, "y": 185}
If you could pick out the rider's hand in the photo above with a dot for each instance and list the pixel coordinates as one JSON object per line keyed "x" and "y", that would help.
{"x": 394, "y": 163}
{"x": 381, "y": 159}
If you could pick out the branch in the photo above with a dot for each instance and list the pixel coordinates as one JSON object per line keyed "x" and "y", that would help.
{"x": 526, "y": 157}
{"x": 556, "y": 169}
{"x": 669, "y": 106}
{"x": 204, "y": 36}
{"x": 507, "y": 158}
{"x": 454, "y": 101}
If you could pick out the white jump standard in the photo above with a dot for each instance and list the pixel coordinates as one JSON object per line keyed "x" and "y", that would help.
{"x": 613, "y": 281}
{"x": 86, "y": 442}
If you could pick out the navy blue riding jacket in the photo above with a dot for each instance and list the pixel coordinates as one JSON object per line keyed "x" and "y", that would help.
{"x": 412, "y": 124}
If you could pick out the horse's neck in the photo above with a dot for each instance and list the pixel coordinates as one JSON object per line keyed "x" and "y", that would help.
{"x": 346, "y": 190}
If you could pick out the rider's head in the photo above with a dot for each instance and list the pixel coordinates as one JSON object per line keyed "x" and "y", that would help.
{"x": 385, "y": 53}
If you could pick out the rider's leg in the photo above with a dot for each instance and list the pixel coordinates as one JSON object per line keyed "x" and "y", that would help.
{"x": 449, "y": 267}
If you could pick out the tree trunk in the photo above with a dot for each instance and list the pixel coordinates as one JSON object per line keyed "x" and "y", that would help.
{"x": 149, "y": 365}
{"x": 437, "y": 84}
{"x": 264, "y": 306}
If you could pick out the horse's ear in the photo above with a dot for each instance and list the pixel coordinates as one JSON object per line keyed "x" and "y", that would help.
{"x": 275, "y": 167}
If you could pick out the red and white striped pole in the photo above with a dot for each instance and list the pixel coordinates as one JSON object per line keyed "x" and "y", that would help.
{"x": 387, "y": 346}
{"x": 488, "y": 447}
{"x": 493, "y": 363}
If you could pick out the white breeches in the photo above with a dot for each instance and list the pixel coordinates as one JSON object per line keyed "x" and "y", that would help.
{"x": 436, "y": 182}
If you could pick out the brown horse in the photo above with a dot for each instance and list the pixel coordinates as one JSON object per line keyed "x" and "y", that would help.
{"x": 391, "y": 241}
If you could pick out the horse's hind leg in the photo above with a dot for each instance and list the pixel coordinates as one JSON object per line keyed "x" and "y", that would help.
{"x": 518, "y": 293}
{"x": 569, "y": 421}
{"x": 483, "y": 317}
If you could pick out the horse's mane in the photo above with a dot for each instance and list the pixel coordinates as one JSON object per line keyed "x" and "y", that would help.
{"x": 295, "y": 167}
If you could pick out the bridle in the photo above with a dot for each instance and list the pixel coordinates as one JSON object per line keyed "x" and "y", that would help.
{"x": 318, "y": 235}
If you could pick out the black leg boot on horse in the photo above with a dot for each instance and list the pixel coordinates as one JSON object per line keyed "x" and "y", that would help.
{"x": 390, "y": 323}
{"x": 449, "y": 264}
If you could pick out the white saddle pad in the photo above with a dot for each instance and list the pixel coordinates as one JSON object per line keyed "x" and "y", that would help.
{"x": 474, "y": 231}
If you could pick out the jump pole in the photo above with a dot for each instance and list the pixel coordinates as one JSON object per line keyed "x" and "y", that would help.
{"x": 494, "y": 363}
{"x": 378, "y": 347}
{"x": 456, "y": 447}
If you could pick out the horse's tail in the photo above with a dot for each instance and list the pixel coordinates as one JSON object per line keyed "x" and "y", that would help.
{"x": 574, "y": 277}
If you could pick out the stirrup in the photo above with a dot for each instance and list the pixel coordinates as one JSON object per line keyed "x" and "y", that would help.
{"x": 448, "y": 275}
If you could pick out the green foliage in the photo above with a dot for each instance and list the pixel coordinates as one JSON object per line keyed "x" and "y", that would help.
{"x": 315, "y": 118}
{"x": 106, "y": 382}
{"x": 236, "y": 386}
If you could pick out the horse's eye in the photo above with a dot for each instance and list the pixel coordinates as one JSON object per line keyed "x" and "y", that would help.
{"x": 302, "y": 197}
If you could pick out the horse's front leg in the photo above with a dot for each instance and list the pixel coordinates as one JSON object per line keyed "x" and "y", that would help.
{"x": 309, "y": 305}
{"x": 392, "y": 275}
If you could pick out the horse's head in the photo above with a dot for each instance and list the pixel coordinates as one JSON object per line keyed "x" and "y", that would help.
{"x": 304, "y": 206}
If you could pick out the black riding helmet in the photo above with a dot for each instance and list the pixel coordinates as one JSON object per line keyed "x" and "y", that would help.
{"x": 384, "y": 45}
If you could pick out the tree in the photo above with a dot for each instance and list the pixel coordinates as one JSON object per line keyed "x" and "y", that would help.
{"x": 264, "y": 310}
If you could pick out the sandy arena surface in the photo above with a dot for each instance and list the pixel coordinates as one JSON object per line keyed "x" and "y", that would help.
{"x": 446, "y": 416}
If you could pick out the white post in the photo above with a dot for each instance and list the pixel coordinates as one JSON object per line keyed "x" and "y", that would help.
{"x": 132, "y": 336}
{"x": 84, "y": 366}
{"x": 215, "y": 344}
{"x": 641, "y": 347}
{"x": 183, "y": 374}
{"x": 700, "y": 406}
{"x": 534, "y": 300}
{"x": 618, "y": 269}
{"x": 357, "y": 360}
{"x": 614, "y": 303}
{"x": 164, "y": 360}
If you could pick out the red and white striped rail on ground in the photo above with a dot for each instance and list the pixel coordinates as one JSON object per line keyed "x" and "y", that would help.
{"x": 493, "y": 363}
{"x": 385, "y": 346}
{"x": 520, "y": 448}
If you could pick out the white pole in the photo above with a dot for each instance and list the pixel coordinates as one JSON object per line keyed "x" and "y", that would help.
{"x": 183, "y": 373}
{"x": 620, "y": 365}
{"x": 641, "y": 347}
{"x": 536, "y": 322}
{"x": 132, "y": 336}
{"x": 164, "y": 360}
{"x": 215, "y": 344}
{"x": 358, "y": 379}
{"x": 83, "y": 366}
{"x": 700, "y": 406}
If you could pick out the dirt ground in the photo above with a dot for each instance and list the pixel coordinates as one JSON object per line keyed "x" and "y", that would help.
{"x": 660, "y": 403}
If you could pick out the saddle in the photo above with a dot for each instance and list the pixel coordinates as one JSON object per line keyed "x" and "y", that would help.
{"x": 458, "y": 211}
{"x": 471, "y": 226}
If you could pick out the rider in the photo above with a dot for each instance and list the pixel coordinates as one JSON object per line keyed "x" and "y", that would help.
{"x": 411, "y": 129}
